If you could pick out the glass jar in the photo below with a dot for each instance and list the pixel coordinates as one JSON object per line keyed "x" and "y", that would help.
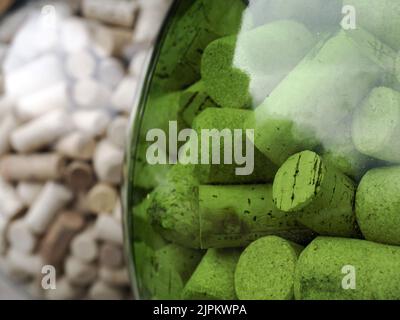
{"x": 262, "y": 161}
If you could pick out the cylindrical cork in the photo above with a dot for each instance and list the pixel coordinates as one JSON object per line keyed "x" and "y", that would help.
{"x": 41, "y": 132}
{"x": 118, "y": 12}
{"x": 234, "y": 216}
{"x": 379, "y": 18}
{"x": 266, "y": 269}
{"x": 109, "y": 229}
{"x": 117, "y": 131}
{"x": 102, "y": 198}
{"x": 108, "y": 161}
{"x": 172, "y": 267}
{"x": 193, "y": 101}
{"x": 91, "y": 94}
{"x": 321, "y": 197}
{"x": 84, "y": 246}
{"x": 124, "y": 95}
{"x": 376, "y": 125}
{"x": 76, "y": 145}
{"x": 79, "y": 175}
{"x": 227, "y": 172}
{"x": 27, "y": 264}
{"x": 79, "y": 273}
{"x": 115, "y": 277}
{"x": 93, "y": 122}
{"x": 33, "y": 167}
{"x": 55, "y": 244}
{"x": 239, "y": 71}
{"x": 347, "y": 269}
{"x": 81, "y": 64}
{"x": 10, "y": 203}
{"x": 20, "y": 237}
{"x": 52, "y": 199}
{"x": 377, "y": 205}
{"x": 213, "y": 278}
{"x": 102, "y": 291}
{"x": 110, "y": 72}
{"x": 302, "y": 111}
{"x": 28, "y": 192}
{"x": 44, "y": 101}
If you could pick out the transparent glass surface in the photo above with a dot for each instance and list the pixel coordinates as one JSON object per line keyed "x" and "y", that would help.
{"x": 263, "y": 156}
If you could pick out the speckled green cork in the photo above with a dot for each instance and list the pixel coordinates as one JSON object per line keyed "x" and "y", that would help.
{"x": 179, "y": 63}
{"x": 378, "y": 205}
{"x": 240, "y": 71}
{"x": 376, "y": 125}
{"x": 220, "y": 119}
{"x": 214, "y": 277}
{"x": 193, "y": 101}
{"x": 234, "y": 216}
{"x": 320, "y": 195}
{"x": 303, "y": 110}
{"x": 381, "y": 18}
{"x": 266, "y": 268}
{"x": 329, "y": 269}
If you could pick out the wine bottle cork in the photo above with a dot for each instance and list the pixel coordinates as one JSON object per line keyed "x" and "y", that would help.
{"x": 116, "y": 12}
{"x": 84, "y": 246}
{"x": 209, "y": 216}
{"x": 14, "y": 274}
{"x": 124, "y": 95}
{"x": 91, "y": 94}
{"x": 107, "y": 162}
{"x": 114, "y": 277}
{"x": 117, "y": 131}
{"x": 41, "y": 132}
{"x": 102, "y": 291}
{"x": 102, "y": 198}
{"x": 225, "y": 173}
{"x": 33, "y": 167}
{"x": 20, "y": 237}
{"x": 139, "y": 62}
{"x": 7, "y": 125}
{"x": 74, "y": 35}
{"x": 384, "y": 25}
{"x": 10, "y": 203}
{"x": 122, "y": 41}
{"x": 52, "y": 198}
{"x": 79, "y": 273}
{"x": 377, "y": 207}
{"x": 111, "y": 72}
{"x": 80, "y": 64}
{"x": 19, "y": 82}
{"x": 76, "y": 145}
{"x": 64, "y": 291}
{"x": 102, "y": 40}
{"x": 91, "y": 122}
{"x": 283, "y": 128}
{"x": 55, "y": 245}
{"x": 213, "y": 278}
{"x": 376, "y": 124}
{"x": 108, "y": 229}
{"x": 266, "y": 268}
{"x": 27, "y": 264}
{"x": 319, "y": 195}
{"x": 347, "y": 269}
{"x": 28, "y": 192}
{"x": 79, "y": 175}
{"x": 55, "y": 97}
{"x": 247, "y": 66}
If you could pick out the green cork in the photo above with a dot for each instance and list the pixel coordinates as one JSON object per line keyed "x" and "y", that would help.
{"x": 347, "y": 269}
{"x": 179, "y": 63}
{"x": 214, "y": 277}
{"x": 240, "y": 71}
{"x": 224, "y": 173}
{"x": 378, "y": 206}
{"x": 234, "y": 216}
{"x": 380, "y": 18}
{"x": 266, "y": 269}
{"x": 193, "y": 101}
{"x": 320, "y": 195}
{"x": 376, "y": 125}
{"x": 303, "y": 110}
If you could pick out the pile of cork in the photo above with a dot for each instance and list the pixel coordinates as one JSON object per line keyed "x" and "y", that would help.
{"x": 70, "y": 70}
